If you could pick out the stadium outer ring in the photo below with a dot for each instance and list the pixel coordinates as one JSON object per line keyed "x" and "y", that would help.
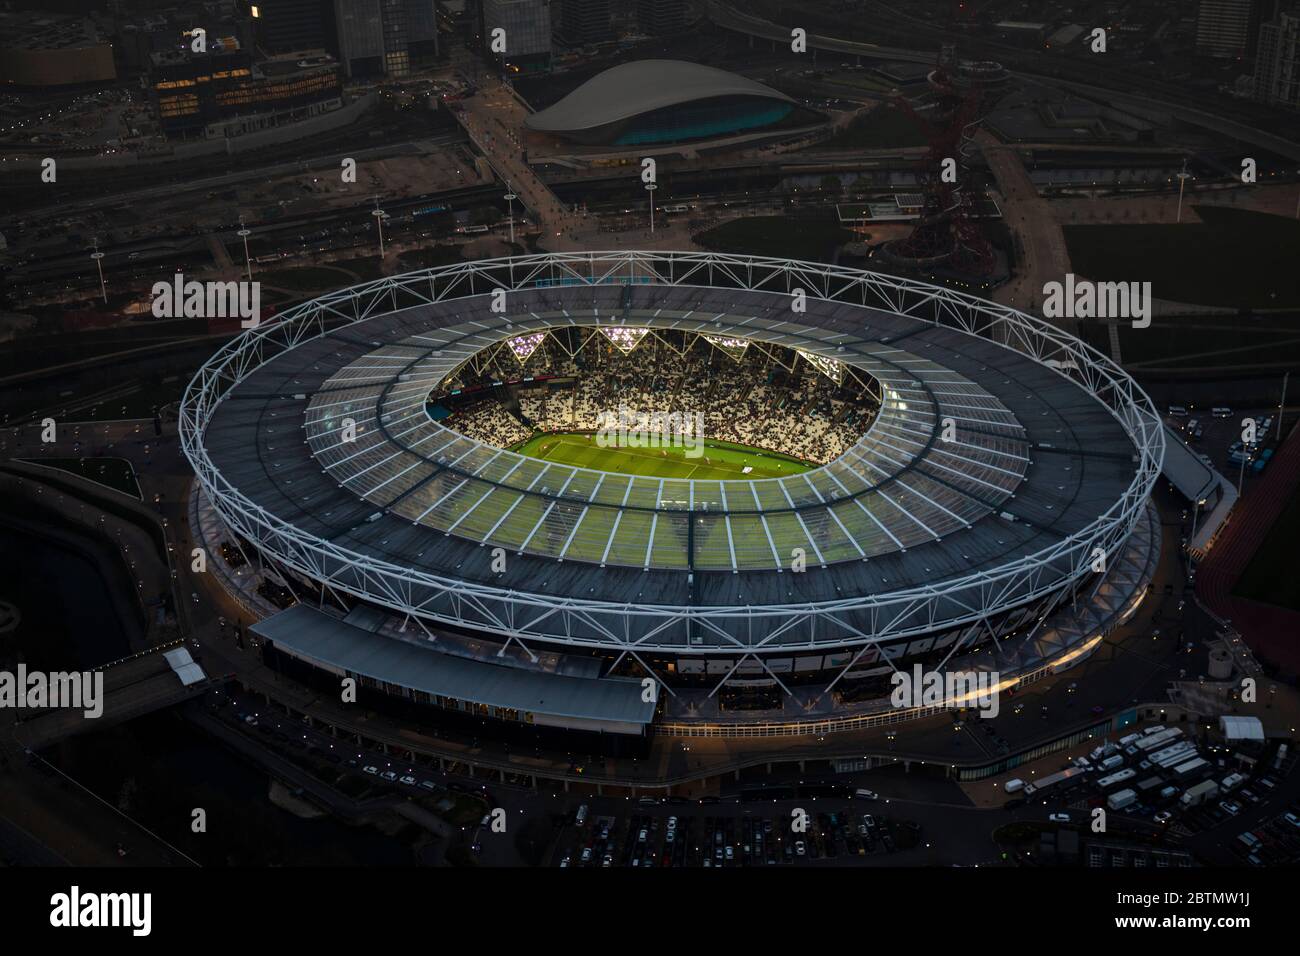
{"x": 386, "y": 584}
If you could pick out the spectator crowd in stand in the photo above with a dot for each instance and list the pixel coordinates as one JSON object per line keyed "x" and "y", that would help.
{"x": 751, "y": 398}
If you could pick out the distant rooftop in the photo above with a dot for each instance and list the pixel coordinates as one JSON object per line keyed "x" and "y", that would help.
{"x": 46, "y": 32}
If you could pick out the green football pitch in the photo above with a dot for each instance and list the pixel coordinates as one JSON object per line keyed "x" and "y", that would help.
{"x": 718, "y": 462}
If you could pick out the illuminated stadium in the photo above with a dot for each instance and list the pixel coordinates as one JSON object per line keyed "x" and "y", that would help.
{"x": 666, "y": 101}
{"x": 948, "y": 481}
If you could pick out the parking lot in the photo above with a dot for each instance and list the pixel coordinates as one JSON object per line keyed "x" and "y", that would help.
{"x": 688, "y": 834}
{"x": 1226, "y": 807}
{"x": 1214, "y": 435}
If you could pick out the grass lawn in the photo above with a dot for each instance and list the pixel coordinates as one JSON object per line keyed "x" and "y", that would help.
{"x": 429, "y": 257}
{"x": 1270, "y": 577}
{"x": 1234, "y": 257}
{"x": 814, "y": 240}
{"x": 885, "y": 127}
{"x": 720, "y": 460}
{"x": 366, "y": 268}
{"x": 1212, "y": 341}
{"x": 307, "y": 278}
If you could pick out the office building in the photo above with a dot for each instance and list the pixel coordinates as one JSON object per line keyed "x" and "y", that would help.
{"x": 660, "y": 17}
{"x": 282, "y": 26}
{"x": 1277, "y": 62}
{"x": 527, "y": 26}
{"x": 1227, "y": 28}
{"x": 581, "y": 22}
{"x": 386, "y": 37}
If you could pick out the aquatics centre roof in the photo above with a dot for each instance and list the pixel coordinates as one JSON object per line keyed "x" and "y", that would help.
{"x": 409, "y": 513}
{"x": 630, "y": 89}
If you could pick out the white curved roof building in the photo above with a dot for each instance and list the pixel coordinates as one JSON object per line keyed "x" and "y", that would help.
{"x": 660, "y": 101}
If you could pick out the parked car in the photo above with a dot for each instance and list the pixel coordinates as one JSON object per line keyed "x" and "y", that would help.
{"x": 1059, "y": 817}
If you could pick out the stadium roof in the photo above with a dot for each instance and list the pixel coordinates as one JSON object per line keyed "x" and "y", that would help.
{"x": 324, "y": 639}
{"x": 911, "y": 531}
{"x": 631, "y": 89}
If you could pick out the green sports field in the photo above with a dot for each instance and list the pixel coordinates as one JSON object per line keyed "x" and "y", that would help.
{"x": 719, "y": 462}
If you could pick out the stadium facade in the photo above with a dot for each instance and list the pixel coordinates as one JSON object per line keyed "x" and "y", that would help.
{"x": 651, "y": 102}
{"x": 995, "y": 514}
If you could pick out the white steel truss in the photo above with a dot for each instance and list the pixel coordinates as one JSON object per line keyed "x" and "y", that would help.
{"x": 847, "y": 622}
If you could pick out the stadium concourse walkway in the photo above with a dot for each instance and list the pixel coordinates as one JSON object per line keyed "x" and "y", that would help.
{"x": 1272, "y": 632}
{"x": 1130, "y": 666}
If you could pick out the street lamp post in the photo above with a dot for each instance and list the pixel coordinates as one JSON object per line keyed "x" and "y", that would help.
{"x": 1182, "y": 180}
{"x": 650, "y": 188}
{"x": 510, "y": 200}
{"x": 99, "y": 264}
{"x": 244, "y": 233}
{"x": 379, "y": 222}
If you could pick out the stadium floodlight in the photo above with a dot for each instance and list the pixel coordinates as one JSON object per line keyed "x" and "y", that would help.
{"x": 522, "y": 346}
{"x": 831, "y": 368}
{"x": 624, "y": 338}
{"x": 729, "y": 345}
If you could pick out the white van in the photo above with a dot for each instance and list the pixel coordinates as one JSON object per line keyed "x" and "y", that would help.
{"x": 581, "y": 817}
{"x": 1014, "y": 785}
